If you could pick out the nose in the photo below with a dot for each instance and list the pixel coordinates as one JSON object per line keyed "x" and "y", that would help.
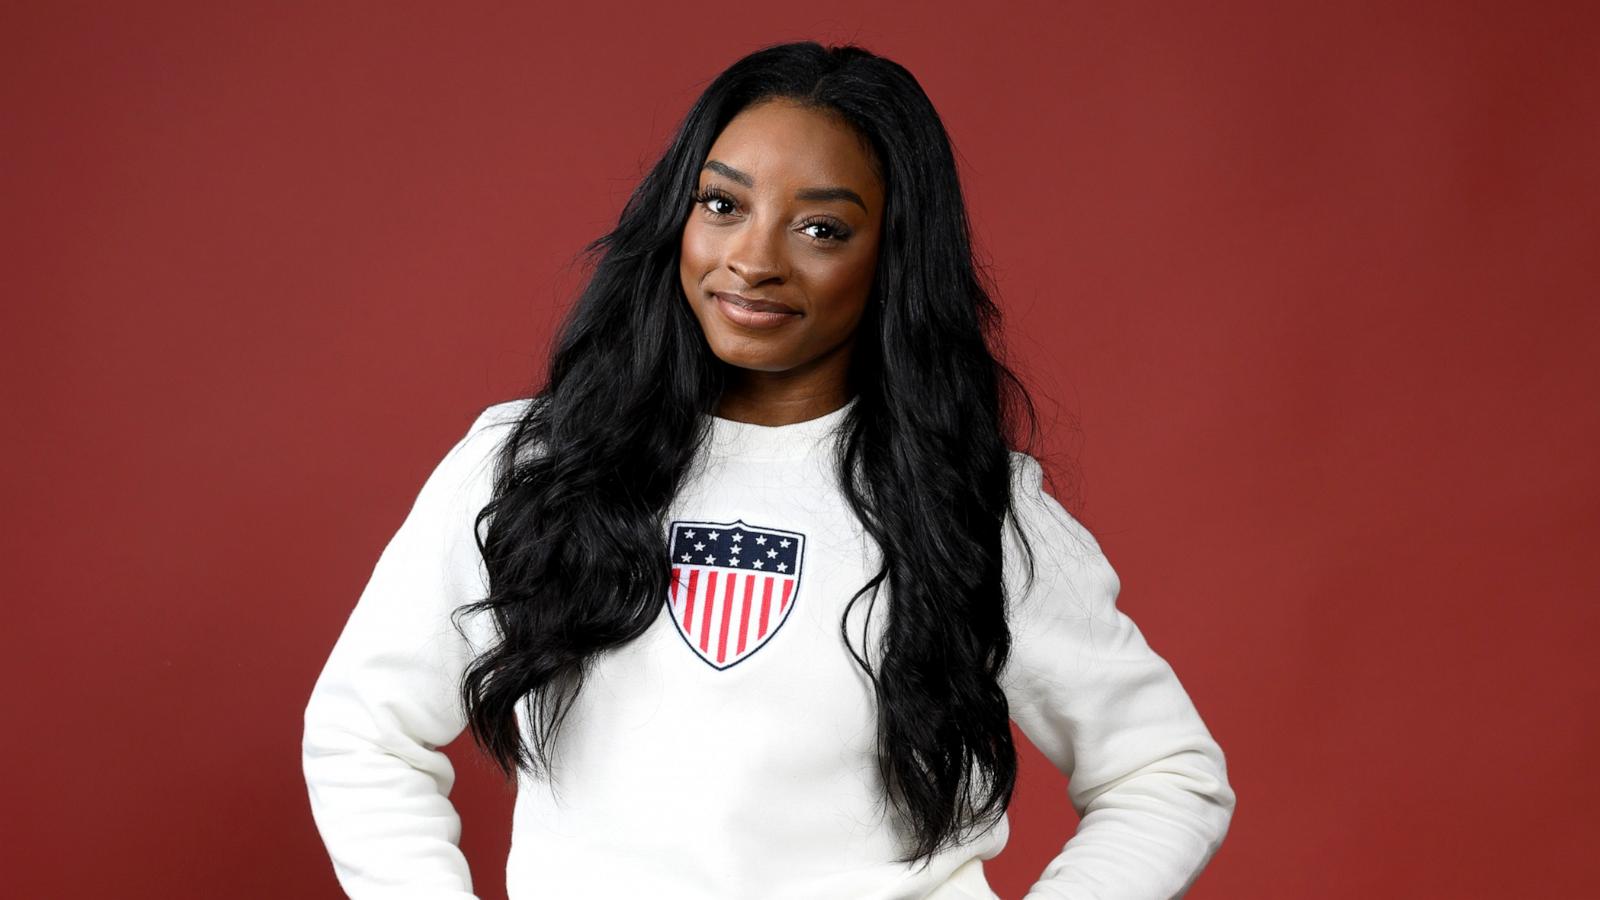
{"x": 756, "y": 252}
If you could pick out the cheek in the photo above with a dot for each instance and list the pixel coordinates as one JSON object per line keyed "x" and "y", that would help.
{"x": 696, "y": 252}
{"x": 846, "y": 288}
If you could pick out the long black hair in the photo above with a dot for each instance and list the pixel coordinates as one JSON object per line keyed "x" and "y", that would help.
{"x": 574, "y": 546}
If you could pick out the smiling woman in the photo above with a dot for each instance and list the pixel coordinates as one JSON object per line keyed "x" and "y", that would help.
{"x": 778, "y": 257}
{"x": 779, "y": 395}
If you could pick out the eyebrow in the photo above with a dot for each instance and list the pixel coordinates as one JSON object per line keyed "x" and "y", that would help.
{"x": 810, "y": 193}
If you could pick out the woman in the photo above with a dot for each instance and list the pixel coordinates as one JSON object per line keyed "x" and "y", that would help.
{"x": 747, "y": 595}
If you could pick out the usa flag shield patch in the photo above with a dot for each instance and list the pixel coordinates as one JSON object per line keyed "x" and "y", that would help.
{"x": 733, "y": 586}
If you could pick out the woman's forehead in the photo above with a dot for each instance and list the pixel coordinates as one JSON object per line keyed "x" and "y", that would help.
{"x": 780, "y": 145}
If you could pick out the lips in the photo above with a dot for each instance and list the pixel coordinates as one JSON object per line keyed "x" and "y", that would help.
{"x": 756, "y": 304}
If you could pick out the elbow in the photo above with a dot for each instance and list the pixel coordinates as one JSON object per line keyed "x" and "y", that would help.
{"x": 322, "y": 727}
{"x": 1225, "y": 802}
{"x": 1212, "y": 816}
{"x": 339, "y": 752}
{"x": 333, "y": 735}
{"x": 1189, "y": 789}
{"x": 1201, "y": 774}
{"x": 1205, "y": 806}
{"x": 1217, "y": 802}
{"x": 1207, "y": 780}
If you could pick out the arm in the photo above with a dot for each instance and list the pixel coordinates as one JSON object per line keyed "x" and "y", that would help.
{"x": 1145, "y": 776}
{"x": 386, "y": 698}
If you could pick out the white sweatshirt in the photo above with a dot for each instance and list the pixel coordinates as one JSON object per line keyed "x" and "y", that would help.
{"x": 727, "y": 754}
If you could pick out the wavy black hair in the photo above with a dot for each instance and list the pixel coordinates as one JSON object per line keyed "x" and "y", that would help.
{"x": 573, "y": 537}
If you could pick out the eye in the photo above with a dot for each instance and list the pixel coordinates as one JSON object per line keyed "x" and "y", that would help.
{"x": 834, "y": 232}
{"x": 712, "y": 195}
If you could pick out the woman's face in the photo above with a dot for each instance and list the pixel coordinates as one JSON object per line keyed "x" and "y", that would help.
{"x": 787, "y": 215}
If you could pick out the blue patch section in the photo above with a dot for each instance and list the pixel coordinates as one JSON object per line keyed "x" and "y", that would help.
{"x": 735, "y": 545}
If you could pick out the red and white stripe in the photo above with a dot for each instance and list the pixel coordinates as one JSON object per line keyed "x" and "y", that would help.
{"x": 727, "y": 613}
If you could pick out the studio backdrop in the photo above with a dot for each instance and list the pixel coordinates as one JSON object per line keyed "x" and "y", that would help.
{"x": 1306, "y": 292}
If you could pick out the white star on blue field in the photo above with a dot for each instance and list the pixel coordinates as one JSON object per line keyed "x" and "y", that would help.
{"x": 726, "y": 547}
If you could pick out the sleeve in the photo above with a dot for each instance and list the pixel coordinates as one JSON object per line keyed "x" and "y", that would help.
{"x": 386, "y": 698}
{"x": 1145, "y": 776}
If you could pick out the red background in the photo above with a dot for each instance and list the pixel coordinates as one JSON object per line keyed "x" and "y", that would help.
{"x": 1309, "y": 290}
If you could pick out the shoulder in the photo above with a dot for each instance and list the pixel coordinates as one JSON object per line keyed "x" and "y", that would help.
{"x": 1026, "y": 471}
{"x": 507, "y": 411}
{"x": 467, "y": 468}
{"x": 502, "y": 414}
{"x": 1034, "y": 505}
{"x": 493, "y": 424}
{"x": 1067, "y": 554}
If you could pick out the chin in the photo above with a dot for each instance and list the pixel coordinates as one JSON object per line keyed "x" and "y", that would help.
{"x": 747, "y": 353}
{"x": 755, "y": 363}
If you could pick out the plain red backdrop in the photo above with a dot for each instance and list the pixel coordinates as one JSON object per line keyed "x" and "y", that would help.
{"x": 1308, "y": 289}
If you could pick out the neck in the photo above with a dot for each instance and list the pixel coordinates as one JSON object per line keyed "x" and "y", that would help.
{"x": 780, "y": 411}
{"x": 731, "y": 438}
{"x": 773, "y": 402}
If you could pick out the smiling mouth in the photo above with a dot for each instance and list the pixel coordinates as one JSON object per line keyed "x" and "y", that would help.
{"x": 759, "y": 306}
{"x": 753, "y": 314}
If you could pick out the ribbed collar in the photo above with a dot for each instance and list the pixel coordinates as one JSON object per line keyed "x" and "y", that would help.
{"x": 796, "y": 440}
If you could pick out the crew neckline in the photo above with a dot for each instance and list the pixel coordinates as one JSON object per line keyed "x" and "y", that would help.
{"x": 746, "y": 440}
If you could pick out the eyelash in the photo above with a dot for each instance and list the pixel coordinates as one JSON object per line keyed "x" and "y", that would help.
{"x": 840, "y": 233}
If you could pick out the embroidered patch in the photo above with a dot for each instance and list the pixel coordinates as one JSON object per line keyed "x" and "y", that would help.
{"x": 732, "y": 586}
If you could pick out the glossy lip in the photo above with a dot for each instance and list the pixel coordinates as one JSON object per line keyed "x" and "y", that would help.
{"x": 733, "y": 307}
{"x": 758, "y": 304}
